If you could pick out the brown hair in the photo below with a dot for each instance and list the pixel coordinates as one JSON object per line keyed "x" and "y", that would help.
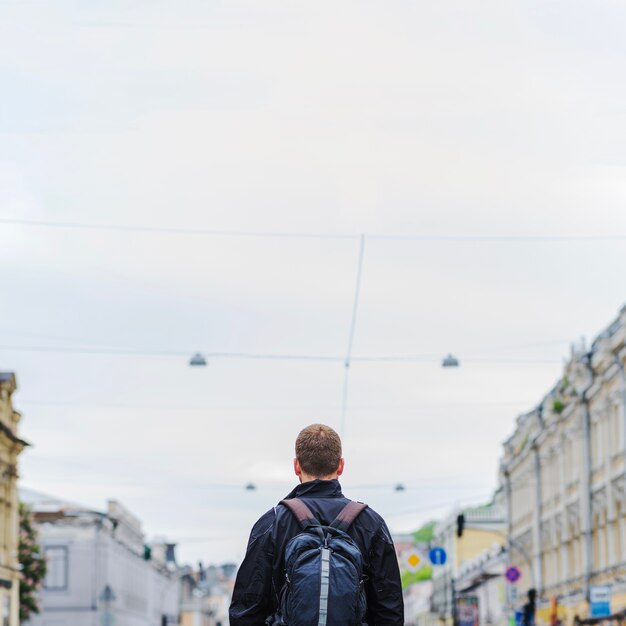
{"x": 318, "y": 450}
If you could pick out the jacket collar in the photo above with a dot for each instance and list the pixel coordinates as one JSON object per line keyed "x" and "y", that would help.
{"x": 317, "y": 489}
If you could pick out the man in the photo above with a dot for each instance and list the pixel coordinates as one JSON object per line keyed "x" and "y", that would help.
{"x": 318, "y": 465}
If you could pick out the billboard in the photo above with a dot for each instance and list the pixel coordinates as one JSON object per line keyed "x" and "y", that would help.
{"x": 467, "y": 611}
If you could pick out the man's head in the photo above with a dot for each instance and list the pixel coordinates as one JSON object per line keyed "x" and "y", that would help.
{"x": 318, "y": 453}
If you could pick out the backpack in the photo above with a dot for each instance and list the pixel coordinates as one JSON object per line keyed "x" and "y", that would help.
{"x": 324, "y": 581}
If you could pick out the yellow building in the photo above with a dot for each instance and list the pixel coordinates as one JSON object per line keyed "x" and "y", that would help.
{"x": 484, "y": 528}
{"x": 10, "y": 448}
{"x": 564, "y": 476}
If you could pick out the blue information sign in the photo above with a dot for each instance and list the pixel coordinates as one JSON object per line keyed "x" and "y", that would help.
{"x": 600, "y": 600}
{"x": 437, "y": 556}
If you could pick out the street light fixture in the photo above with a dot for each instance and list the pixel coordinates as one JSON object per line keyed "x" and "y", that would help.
{"x": 450, "y": 361}
{"x": 197, "y": 360}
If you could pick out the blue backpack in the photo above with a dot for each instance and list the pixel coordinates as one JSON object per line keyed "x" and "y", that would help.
{"x": 324, "y": 581}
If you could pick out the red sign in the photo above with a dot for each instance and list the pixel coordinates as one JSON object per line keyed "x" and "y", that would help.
{"x": 512, "y": 574}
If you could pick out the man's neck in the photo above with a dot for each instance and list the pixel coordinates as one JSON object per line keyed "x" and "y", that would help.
{"x": 304, "y": 478}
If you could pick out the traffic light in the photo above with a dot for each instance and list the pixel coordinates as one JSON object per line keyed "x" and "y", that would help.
{"x": 460, "y": 524}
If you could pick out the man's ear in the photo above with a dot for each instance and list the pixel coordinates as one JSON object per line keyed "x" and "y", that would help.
{"x": 296, "y": 468}
{"x": 340, "y": 468}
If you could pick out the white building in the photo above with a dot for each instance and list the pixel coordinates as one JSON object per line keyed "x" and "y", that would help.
{"x": 564, "y": 475}
{"x": 100, "y": 572}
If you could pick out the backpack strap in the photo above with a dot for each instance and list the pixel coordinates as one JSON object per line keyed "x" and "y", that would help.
{"x": 347, "y": 515}
{"x": 301, "y": 512}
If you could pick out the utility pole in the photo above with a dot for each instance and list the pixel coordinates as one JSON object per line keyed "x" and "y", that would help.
{"x": 455, "y": 616}
{"x": 509, "y": 532}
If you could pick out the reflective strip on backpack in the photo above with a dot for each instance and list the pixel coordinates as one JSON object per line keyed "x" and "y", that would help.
{"x": 325, "y": 580}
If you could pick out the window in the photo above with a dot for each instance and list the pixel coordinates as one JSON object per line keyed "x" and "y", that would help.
{"x": 57, "y": 574}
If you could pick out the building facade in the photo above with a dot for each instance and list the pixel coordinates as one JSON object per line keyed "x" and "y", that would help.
{"x": 206, "y": 595}
{"x": 564, "y": 475}
{"x": 482, "y": 579}
{"x": 484, "y": 528}
{"x": 10, "y": 447}
{"x": 100, "y": 570}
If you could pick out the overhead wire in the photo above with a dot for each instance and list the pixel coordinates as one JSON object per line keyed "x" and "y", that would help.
{"x": 182, "y": 483}
{"x": 273, "y": 409}
{"x": 172, "y": 353}
{"x": 99, "y": 347}
{"x": 424, "y": 358}
{"x": 505, "y": 238}
{"x": 424, "y": 509}
{"x": 355, "y": 306}
{"x": 172, "y": 230}
{"x": 432, "y": 507}
{"x": 349, "y": 358}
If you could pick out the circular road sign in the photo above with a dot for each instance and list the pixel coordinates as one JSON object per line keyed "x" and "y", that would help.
{"x": 512, "y": 574}
{"x": 437, "y": 556}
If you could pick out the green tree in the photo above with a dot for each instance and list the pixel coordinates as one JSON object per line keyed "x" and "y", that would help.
{"x": 425, "y": 533}
{"x": 422, "y": 574}
{"x": 32, "y": 562}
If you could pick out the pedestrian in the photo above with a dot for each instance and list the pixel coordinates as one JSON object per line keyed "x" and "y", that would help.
{"x": 528, "y": 610}
{"x": 262, "y": 595}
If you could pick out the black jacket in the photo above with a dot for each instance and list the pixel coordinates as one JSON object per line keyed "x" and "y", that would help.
{"x": 261, "y": 575}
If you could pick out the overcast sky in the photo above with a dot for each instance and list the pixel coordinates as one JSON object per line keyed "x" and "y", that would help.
{"x": 450, "y": 122}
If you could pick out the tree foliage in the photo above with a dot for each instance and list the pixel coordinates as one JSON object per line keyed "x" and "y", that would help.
{"x": 422, "y": 574}
{"x": 425, "y": 533}
{"x": 32, "y": 563}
